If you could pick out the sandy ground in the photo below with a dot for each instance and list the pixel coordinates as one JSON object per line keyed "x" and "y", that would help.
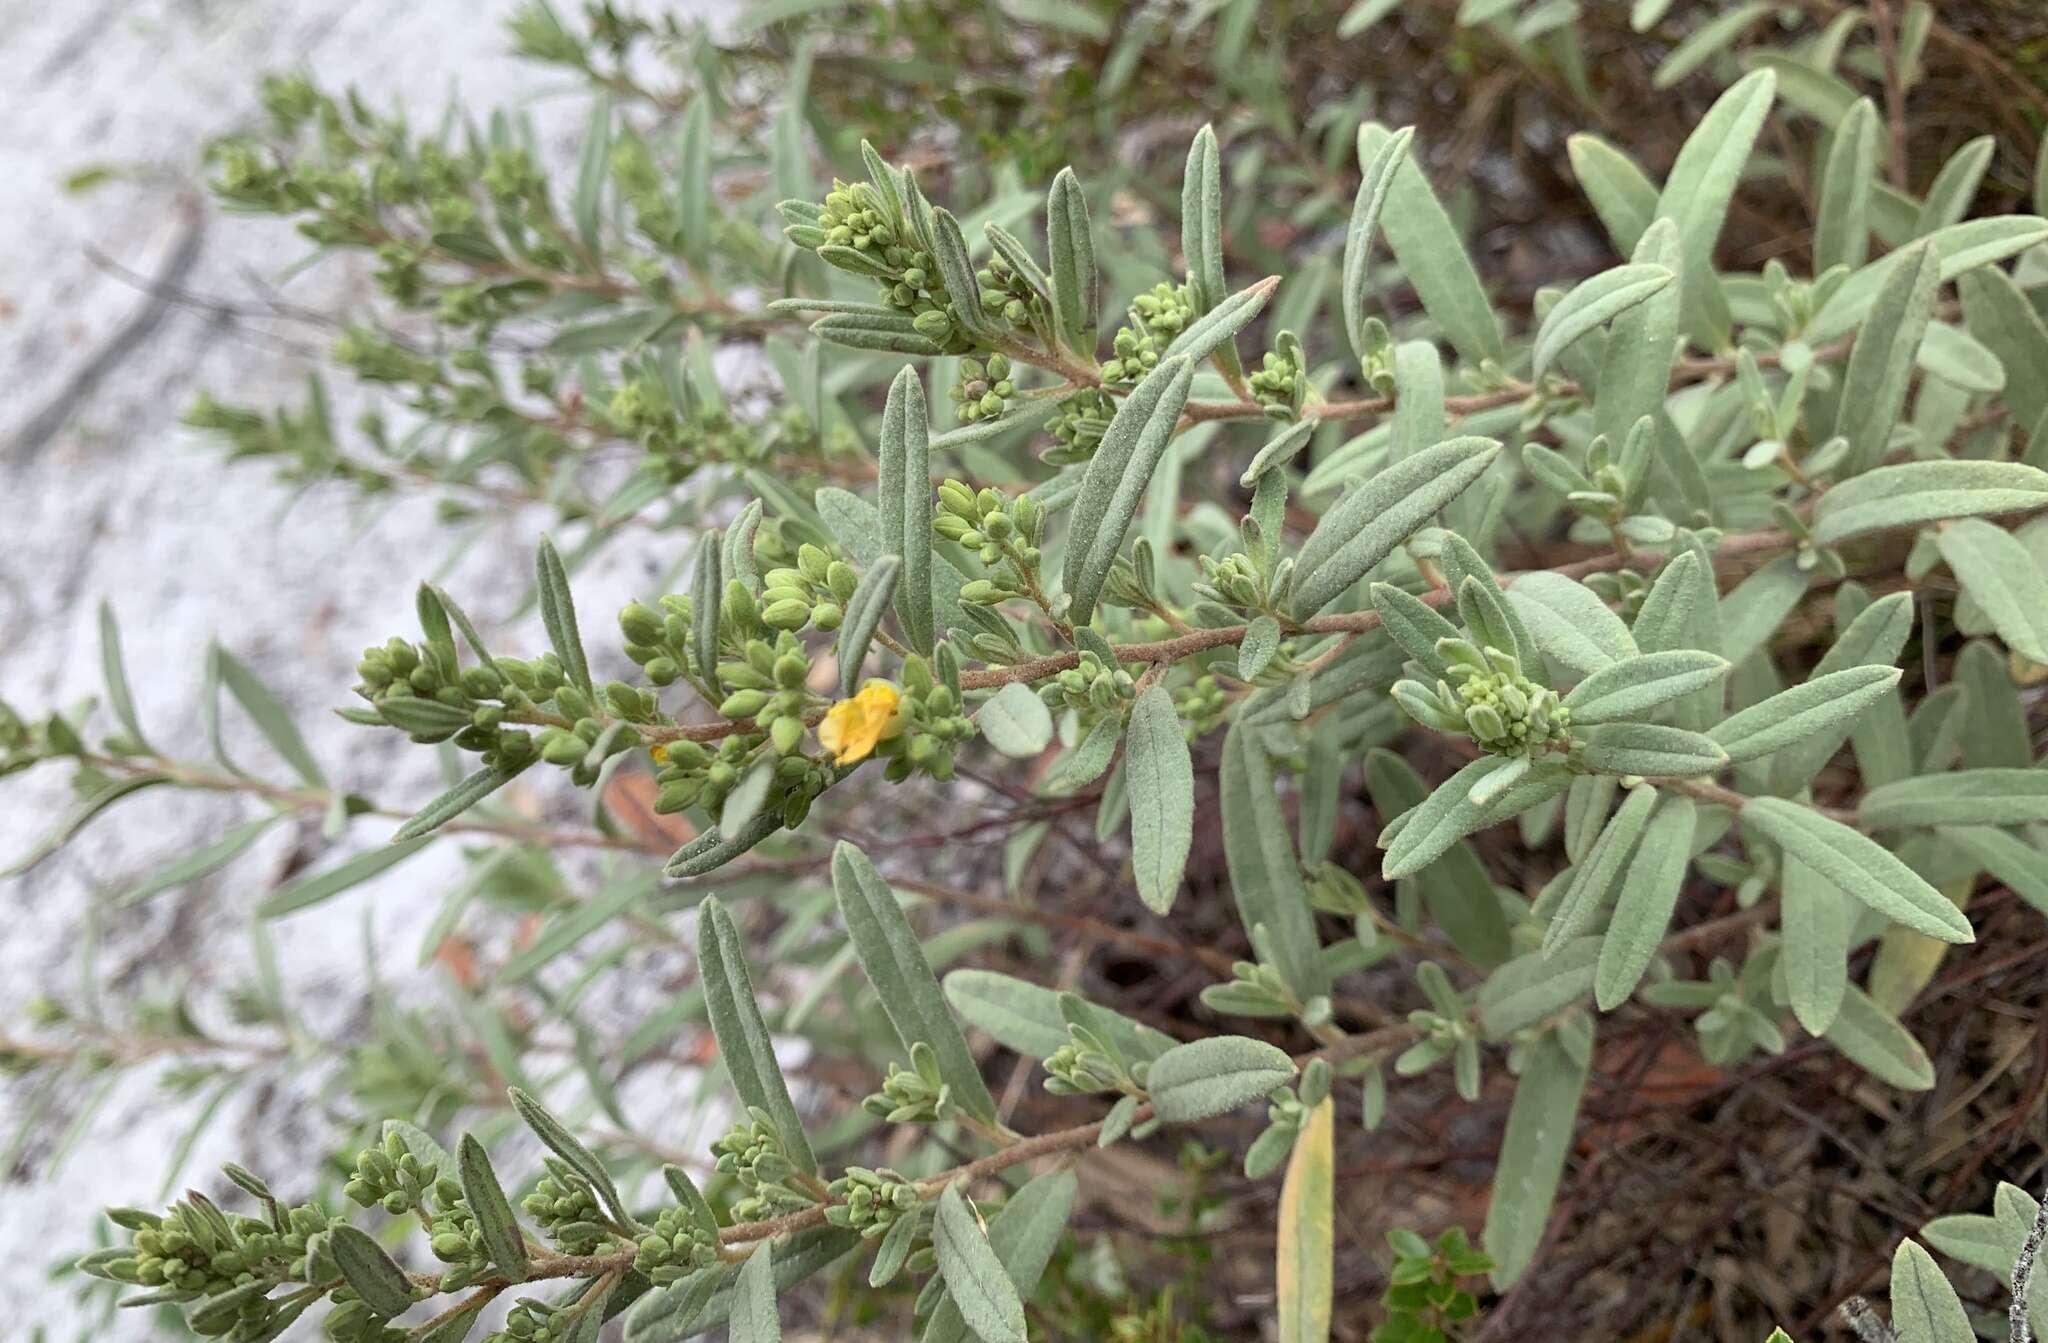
{"x": 102, "y": 494}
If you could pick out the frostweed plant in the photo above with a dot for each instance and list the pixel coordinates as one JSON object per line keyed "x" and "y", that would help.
{"x": 1726, "y": 589}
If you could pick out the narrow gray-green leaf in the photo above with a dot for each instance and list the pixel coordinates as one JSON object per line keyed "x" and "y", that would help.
{"x": 1912, "y": 493}
{"x": 2001, "y": 316}
{"x": 1212, "y": 1076}
{"x": 1815, "y": 918}
{"x": 1201, "y": 221}
{"x": 754, "y": 1319}
{"x": 1265, "y": 874}
{"x": 904, "y": 497}
{"x": 1541, "y": 1121}
{"x": 1622, "y": 194}
{"x": 457, "y": 800}
{"x": 558, "y": 614}
{"x": 1841, "y": 235}
{"x": 1366, "y": 206}
{"x": 503, "y": 1240}
{"x": 1570, "y": 623}
{"x": 2003, "y": 577}
{"x": 1874, "y": 1041}
{"x": 1701, "y": 183}
{"x": 1449, "y": 814}
{"x": 743, "y": 1040}
{"x": 1024, "y": 1235}
{"x": 1635, "y": 368}
{"x": 1634, "y": 686}
{"x": 1161, "y": 787}
{"x": 564, "y": 1144}
{"x": 1707, "y": 41}
{"x": 1211, "y": 332}
{"x": 116, "y": 674}
{"x": 1858, "y": 866}
{"x": 1595, "y": 877}
{"x": 1649, "y": 892}
{"x": 1881, "y": 364}
{"x": 1591, "y": 304}
{"x": 1070, "y": 241}
{"x": 369, "y": 1272}
{"x": 974, "y": 1277}
{"x": 1874, "y": 638}
{"x": 1117, "y": 475}
{"x": 1433, "y": 258}
{"x": 957, "y": 273}
{"x": 269, "y": 715}
{"x": 896, "y": 965}
{"x": 1652, "y": 750}
{"x": 1823, "y": 704}
{"x": 1967, "y": 797}
{"x": 1457, "y": 887}
{"x": 1016, "y": 722}
{"x": 1366, "y": 525}
{"x": 863, "y": 616}
{"x": 1925, "y": 1309}
{"x": 326, "y": 885}
{"x": 1962, "y": 247}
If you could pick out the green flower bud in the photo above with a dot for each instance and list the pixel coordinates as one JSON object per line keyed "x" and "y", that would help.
{"x": 789, "y": 613}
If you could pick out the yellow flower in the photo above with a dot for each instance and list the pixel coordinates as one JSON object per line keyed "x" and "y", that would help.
{"x": 853, "y": 727}
{"x": 660, "y": 754}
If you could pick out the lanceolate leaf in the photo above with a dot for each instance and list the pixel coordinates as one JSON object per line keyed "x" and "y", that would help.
{"x": 1595, "y": 877}
{"x": 1968, "y": 797}
{"x": 1824, "y": 704}
{"x": 1264, "y": 871}
{"x": 1999, "y": 574}
{"x": 1962, "y": 247}
{"x": 1815, "y": 917}
{"x": 1541, "y": 1121}
{"x": 558, "y": 613}
{"x": 1305, "y": 1277}
{"x": 1570, "y": 624}
{"x": 1201, "y": 221}
{"x": 1912, "y": 493}
{"x": 1652, "y": 750}
{"x": 1858, "y": 866}
{"x": 1365, "y": 526}
{"x": 1071, "y": 243}
{"x": 754, "y": 1318}
{"x": 1117, "y": 475}
{"x": 1875, "y": 637}
{"x": 1024, "y": 1236}
{"x": 1449, "y": 814}
{"x": 1925, "y": 1309}
{"x": 895, "y": 964}
{"x": 1633, "y": 687}
{"x": 502, "y": 1238}
{"x": 1456, "y": 887}
{"x": 975, "y": 1278}
{"x": 1016, "y": 722}
{"x": 1881, "y": 365}
{"x": 1373, "y": 187}
{"x": 1841, "y": 236}
{"x": 1649, "y": 892}
{"x": 1622, "y": 194}
{"x": 743, "y": 1040}
{"x": 1432, "y": 257}
{"x": 370, "y": 1272}
{"x": 1701, "y": 184}
{"x": 1635, "y": 370}
{"x": 904, "y": 496}
{"x": 1213, "y": 1075}
{"x": 1161, "y": 787}
{"x": 863, "y": 616}
{"x": 308, "y": 891}
{"x": 456, "y": 800}
{"x": 1591, "y": 304}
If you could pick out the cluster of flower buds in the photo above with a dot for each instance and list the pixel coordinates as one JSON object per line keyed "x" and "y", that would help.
{"x": 752, "y": 1153}
{"x": 861, "y": 229}
{"x": 1286, "y": 1111}
{"x": 420, "y": 690}
{"x": 1077, "y": 427}
{"x": 391, "y": 1177}
{"x": 1005, "y": 292}
{"x": 1280, "y": 386}
{"x": 814, "y": 592}
{"x": 1448, "y": 1031}
{"x": 658, "y": 641}
{"x": 913, "y": 1095}
{"x": 1088, "y": 1064}
{"x": 221, "y": 1266}
{"x": 676, "y": 438}
{"x": 871, "y": 1201}
{"x": 535, "y": 1321}
{"x": 1092, "y": 688}
{"x": 674, "y": 1247}
{"x": 1200, "y": 704}
{"x": 1495, "y": 705}
{"x": 998, "y": 528}
{"x": 1236, "y": 581}
{"x": 984, "y": 389}
{"x": 565, "y": 1207}
{"x": 1157, "y": 316}
{"x": 766, "y": 684}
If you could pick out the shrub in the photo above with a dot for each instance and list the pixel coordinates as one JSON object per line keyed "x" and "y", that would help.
{"x": 1675, "y": 630}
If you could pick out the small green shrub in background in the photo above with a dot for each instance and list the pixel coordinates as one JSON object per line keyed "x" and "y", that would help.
{"x": 1720, "y": 588}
